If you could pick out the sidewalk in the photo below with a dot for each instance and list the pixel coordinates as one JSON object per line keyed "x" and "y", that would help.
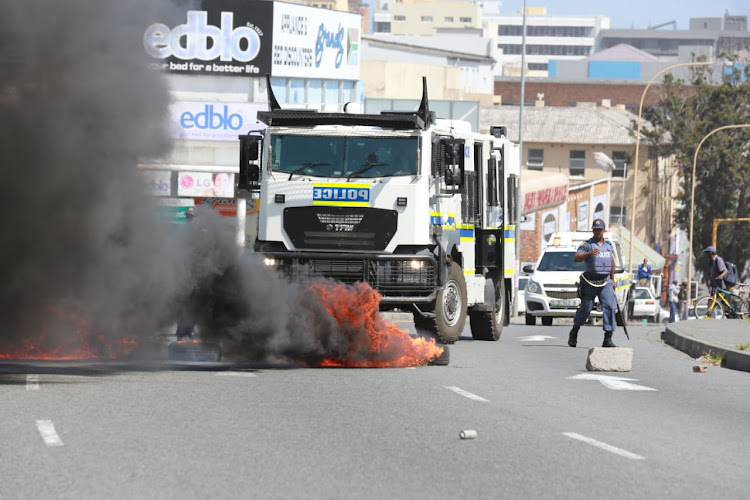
{"x": 721, "y": 337}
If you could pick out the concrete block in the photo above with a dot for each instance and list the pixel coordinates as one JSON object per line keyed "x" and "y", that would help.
{"x": 610, "y": 359}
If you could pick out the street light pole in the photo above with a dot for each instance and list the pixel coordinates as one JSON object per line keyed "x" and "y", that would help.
{"x": 692, "y": 199}
{"x": 637, "y": 149}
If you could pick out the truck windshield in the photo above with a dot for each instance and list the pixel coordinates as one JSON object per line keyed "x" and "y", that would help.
{"x": 559, "y": 261}
{"x": 351, "y": 157}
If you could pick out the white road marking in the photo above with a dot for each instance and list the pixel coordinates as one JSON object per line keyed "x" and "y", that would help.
{"x": 612, "y": 382}
{"x": 466, "y": 394}
{"x": 535, "y": 338}
{"x": 235, "y": 374}
{"x": 410, "y": 368}
{"x": 604, "y": 446}
{"x": 47, "y": 430}
{"x": 32, "y": 382}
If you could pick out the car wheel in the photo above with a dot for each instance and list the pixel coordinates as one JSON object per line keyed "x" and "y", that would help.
{"x": 547, "y": 320}
{"x": 530, "y": 319}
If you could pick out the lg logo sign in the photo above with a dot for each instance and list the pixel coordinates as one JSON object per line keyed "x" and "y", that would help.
{"x": 198, "y": 40}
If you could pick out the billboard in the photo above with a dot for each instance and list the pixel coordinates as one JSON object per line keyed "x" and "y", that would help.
{"x": 214, "y": 121}
{"x": 226, "y": 37}
{"x": 315, "y": 43}
{"x": 196, "y": 184}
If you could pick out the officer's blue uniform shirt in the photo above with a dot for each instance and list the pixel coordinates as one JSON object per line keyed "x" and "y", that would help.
{"x": 597, "y": 264}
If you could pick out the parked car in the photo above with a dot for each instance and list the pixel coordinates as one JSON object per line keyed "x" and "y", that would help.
{"x": 522, "y": 282}
{"x": 646, "y": 305}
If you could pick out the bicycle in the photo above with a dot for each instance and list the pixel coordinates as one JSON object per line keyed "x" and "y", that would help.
{"x": 723, "y": 304}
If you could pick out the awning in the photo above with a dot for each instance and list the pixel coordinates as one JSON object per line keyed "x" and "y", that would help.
{"x": 640, "y": 250}
{"x": 540, "y": 190}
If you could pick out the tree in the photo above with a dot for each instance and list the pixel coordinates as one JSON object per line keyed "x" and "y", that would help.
{"x": 681, "y": 119}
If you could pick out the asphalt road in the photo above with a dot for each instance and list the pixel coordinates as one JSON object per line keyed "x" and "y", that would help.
{"x": 74, "y": 430}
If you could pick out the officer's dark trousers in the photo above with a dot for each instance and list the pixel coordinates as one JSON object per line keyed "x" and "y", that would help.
{"x": 607, "y": 299}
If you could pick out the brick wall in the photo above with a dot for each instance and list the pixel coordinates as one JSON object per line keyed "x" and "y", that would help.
{"x": 570, "y": 93}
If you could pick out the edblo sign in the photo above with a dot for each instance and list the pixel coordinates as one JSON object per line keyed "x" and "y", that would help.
{"x": 215, "y": 121}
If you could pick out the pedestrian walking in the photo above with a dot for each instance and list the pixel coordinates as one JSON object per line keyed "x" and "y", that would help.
{"x": 597, "y": 280}
{"x": 674, "y": 292}
{"x": 682, "y": 300}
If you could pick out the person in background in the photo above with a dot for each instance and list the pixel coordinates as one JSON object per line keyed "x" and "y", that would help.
{"x": 185, "y": 325}
{"x": 716, "y": 268}
{"x": 682, "y": 301}
{"x": 674, "y": 291}
{"x": 644, "y": 273}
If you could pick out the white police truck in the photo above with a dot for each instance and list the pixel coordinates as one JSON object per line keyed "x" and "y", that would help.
{"x": 423, "y": 210}
{"x": 551, "y": 290}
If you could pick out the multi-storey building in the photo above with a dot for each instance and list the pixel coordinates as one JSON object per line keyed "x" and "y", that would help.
{"x": 547, "y": 37}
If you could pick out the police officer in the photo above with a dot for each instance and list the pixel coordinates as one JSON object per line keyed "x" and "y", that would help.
{"x": 597, "y": 281}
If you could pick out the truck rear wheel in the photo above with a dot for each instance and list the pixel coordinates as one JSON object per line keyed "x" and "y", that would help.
{"x": 488, "y": 325}
{"x": 450, "y": 306}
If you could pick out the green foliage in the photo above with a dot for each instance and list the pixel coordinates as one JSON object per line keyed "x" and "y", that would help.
{"x": 683, "y": 117}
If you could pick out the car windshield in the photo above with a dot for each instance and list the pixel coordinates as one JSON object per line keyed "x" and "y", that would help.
{"x": 559, "y": 261}
{"x": 641, "y": 294}
{"x": 350, "y": 157}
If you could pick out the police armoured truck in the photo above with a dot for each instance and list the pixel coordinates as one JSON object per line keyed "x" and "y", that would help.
{"x": 423, "y": 210}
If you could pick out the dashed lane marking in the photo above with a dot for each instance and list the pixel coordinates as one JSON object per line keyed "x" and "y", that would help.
{"x": 47, "y": 430}
{"x": 604, "y": 446}
{"x": 32, "y": 382}
{"x": 466, "y": 394}
{"x": 235, "y": 374}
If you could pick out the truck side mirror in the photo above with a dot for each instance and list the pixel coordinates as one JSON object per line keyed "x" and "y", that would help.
{"x": 249, "y": 176}
{"x": 529, "y": 268}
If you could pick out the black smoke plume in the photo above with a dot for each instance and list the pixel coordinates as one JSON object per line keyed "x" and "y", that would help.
{"x": 78, "y": 109}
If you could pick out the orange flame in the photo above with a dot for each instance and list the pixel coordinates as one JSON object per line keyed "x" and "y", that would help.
{"x": 372, "y": 341}
{"x": 65, "y": 335}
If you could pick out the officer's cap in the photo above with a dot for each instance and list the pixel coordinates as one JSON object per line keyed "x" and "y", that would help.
{"x": 711, "y": 249}
{"x": 598, "y": 224}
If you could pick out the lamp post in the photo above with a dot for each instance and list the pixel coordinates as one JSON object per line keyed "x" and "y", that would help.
{"x": 637, "y": 148}
{"x": 692, "y": 198}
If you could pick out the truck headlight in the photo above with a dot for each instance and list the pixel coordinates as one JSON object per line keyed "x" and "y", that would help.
{"x": 269, "y": 261}
{"x": 533, "y": 287}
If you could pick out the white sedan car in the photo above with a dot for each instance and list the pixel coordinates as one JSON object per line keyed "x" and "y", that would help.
{"x": 645, "y": 304}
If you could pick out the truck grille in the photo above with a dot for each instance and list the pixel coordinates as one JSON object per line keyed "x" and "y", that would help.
{"x": 340, "y": 228}
{"x": 392, "y": 276}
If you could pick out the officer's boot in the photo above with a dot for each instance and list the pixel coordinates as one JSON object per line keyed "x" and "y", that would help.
{"x": 608, "y": 340}
{"x": 573, "y": 337}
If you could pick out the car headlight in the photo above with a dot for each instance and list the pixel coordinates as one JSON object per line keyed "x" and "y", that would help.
{"x": 533, "y": 287}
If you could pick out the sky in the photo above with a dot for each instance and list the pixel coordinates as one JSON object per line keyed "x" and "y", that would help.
{"x": 638, "y": 14}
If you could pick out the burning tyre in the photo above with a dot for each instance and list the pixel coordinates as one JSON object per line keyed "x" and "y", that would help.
{"x": 443, "y": 359}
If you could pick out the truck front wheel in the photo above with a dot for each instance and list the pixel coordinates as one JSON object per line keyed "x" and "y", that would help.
{"x": 489, "y": 325}
{"x": 450, "y": 306}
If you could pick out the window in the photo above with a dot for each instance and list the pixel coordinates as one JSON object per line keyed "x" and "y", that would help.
{"x": 538, "y": 66}
{"x": 617, "y": 215}
{"x": 426, "y": 19}
{"x": 577, "y": 162}
{"x": 399, "y": 18}
{"x": 619, "y": 158}
{"x": 535, "y": 160}
{"x": 464, "y": 19}
{"x": 448, "y": 19}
